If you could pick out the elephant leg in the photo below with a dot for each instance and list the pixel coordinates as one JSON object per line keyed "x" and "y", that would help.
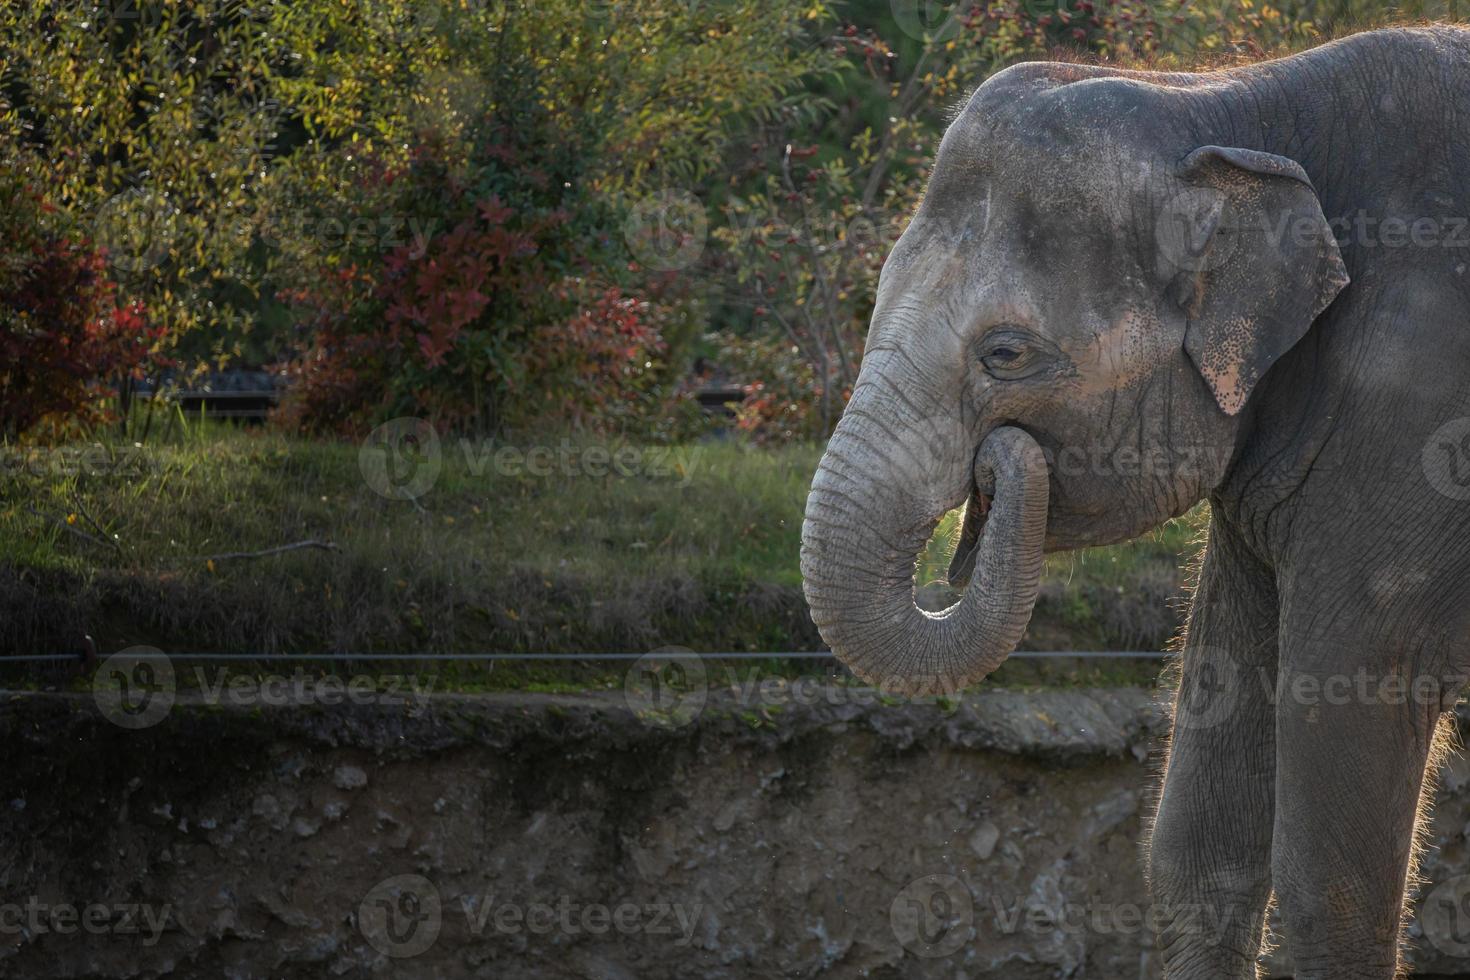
{"x": 1355, "y": 733}
{"x": 1210, "y": 850}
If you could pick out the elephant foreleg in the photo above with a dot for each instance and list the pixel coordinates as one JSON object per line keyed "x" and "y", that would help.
{"x": 1355, "y": 733}
{"x": 1209, "y": 855}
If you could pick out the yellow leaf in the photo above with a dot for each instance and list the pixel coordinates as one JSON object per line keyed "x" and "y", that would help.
{"x": 209, "y": 564}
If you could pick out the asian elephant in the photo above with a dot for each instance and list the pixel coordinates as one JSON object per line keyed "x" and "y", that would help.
{"x": 1125, "y": 292}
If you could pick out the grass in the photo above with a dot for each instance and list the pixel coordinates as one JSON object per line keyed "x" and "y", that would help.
{"x": 693, "y": 547}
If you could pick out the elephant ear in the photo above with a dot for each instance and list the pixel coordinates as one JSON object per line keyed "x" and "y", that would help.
{"x": 1255, "y": 263}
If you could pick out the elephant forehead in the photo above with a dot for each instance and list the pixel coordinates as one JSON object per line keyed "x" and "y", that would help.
{"x": 1081, "y": 148}
{"x": 985, "y": 188}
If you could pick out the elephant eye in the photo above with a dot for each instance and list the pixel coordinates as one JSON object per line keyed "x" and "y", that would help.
{"x": 1009, "y": 354}
{"x": 1002, "y": 359}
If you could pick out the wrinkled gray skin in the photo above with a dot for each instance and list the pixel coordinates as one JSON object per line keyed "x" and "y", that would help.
{"x": 1088, "y": 321}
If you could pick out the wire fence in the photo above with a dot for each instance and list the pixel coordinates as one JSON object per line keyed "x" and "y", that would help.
{"x": 18, "y": 659}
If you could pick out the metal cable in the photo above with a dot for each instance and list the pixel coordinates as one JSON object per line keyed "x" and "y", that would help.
{"x": 534, "y": 657}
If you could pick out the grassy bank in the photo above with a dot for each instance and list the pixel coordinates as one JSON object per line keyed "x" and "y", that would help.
{"x": 572, "y": 547}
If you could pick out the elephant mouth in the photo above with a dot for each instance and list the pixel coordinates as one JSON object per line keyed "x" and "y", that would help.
{"x": 972, "y": 528}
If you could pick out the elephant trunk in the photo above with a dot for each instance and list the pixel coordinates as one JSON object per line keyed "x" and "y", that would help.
{"x": 862, "y": 535}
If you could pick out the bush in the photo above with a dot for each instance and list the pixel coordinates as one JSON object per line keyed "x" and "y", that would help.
{"x": 783, "y": 393}
{"x": 477, "y": 325}
{"x": 521, "y": 308}
{"x": 64, "y": 332}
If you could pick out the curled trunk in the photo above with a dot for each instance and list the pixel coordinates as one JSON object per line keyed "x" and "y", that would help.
{"x": 862, "y": 535}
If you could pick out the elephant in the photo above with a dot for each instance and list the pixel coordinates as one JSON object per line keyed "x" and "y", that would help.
{"x": 1125, "y": 292}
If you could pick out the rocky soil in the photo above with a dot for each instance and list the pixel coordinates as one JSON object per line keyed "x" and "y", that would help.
{"x": 757, "y": 833}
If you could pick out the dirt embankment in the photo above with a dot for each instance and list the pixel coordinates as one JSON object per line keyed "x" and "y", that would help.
{"x": 761, "y": 832}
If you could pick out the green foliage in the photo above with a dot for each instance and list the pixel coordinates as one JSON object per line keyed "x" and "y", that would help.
{"x": 517, "y": 305}
{"x": 215, "y": 146}
{"x": 310, "y": 180}
{"x": 153, "y": 124}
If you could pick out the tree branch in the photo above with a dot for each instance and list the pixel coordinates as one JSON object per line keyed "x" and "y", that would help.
{"x": 294, "y": 546}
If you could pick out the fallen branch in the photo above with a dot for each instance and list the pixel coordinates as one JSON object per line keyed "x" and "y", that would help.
{"x": 294, "y": 546}
{"x": 72, "y": 529}
{"x": 77, "y": 503}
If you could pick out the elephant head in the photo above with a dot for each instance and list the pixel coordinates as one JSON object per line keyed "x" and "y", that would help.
{"x": 1066, "y": 336}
